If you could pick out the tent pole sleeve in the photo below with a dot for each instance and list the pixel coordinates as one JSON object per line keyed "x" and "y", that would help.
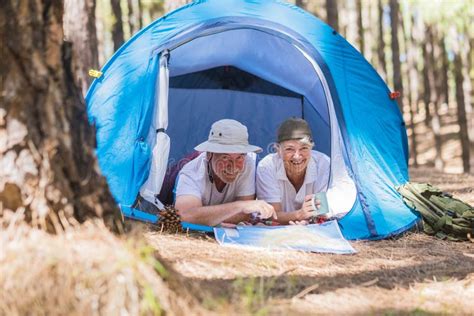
{"x": 159, "y": 160}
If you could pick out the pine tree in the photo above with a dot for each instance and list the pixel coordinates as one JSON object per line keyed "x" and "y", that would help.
{"x": 80, "y": 30}
{"x": 332, "y": 14}
{"x": 117, "y": 28}
{"x": 48, "y": 164}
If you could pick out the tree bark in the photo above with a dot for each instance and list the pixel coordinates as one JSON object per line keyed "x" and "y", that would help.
{"x": 332, "y": 14}
{"x": 360, "y": 27}
{"x": 80, "y": 30}
{"x": 140, "y": 14}
{"x": 397, "y": 71}
{"x": 470, "y": 50}
{"x": 463, "y": 107}
{"x": 430, "y": 63}
{"x": 468, "y": 89}
{"x": 437, "y": 61}
{"x": 461, "y": 111}
{"x": 48, "y": 168}
{"x": 426, "y": 81}
{"x": 117, "y": 27}
{"x": 131, "y": 18}
{"x": 443, "y": 79}
{"x": 371, "y": 36}
{"x": 381, "y": 46}
{"x": 412, "y": 82}
{"x": 300, "y": 3}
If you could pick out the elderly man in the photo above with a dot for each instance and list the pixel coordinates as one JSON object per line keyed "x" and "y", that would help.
{"x": 289, "y": 178}
{"x": 219, "y": 185}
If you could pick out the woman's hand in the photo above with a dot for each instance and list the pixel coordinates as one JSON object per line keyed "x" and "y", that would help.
{"x": 306, "y": 211}
{"x": 303, "y": 222}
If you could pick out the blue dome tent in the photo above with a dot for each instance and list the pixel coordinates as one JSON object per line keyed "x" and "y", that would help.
{"x": 259, "y": 62}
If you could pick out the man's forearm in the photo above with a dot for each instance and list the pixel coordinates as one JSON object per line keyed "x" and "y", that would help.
{"x": 238, "y": 218}
{"x": 212, "y": 215}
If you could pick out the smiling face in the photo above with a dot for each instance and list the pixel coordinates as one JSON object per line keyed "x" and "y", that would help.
{"x": 295, "y": 155}
{"x": 227, "y": 166}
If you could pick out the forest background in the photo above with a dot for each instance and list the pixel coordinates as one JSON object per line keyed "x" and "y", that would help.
{"x": 422, "y": 49}
{"x": 50, "y": 182}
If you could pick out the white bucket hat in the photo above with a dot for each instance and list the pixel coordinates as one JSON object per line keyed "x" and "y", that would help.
{"x": 228, "y": 137}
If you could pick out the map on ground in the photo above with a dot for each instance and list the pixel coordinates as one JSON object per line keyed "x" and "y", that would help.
{"x": 325, "y": 237}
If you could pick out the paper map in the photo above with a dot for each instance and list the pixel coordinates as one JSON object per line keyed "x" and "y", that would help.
{"x": 324, "y": 237}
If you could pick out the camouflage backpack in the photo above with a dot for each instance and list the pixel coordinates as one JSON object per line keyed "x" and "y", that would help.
{"x": 443, "y": 215}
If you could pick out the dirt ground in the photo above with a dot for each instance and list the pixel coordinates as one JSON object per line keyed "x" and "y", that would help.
{"x": 412, "y": 274}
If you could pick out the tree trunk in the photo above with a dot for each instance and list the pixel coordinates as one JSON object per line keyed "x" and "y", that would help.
{"x": 470, "y": 54}
{"x": 48, "y": 168}
{"x": 332, "y": 14}
{"x": 414, "y": 44}
{"x": 412, "y": 82}
{"x": 426, "y": 82}
{"x": 443, "y": 83}
{"x": 140, "y": 14}
{"x": 117, "y": 27}
{"x": 438, "y": 68}
{"x": 156, "y": 10}
{"x": 171, "y": 5}
{"x": 397, "y": 71}
{"x": 300, "y": 3}
{"x": 461, "y": 106}
{"x": 131, "y": 18}
{"x": 370, "y": 36}
{"x": 468, "y": 89}
{"x": 461, "y": 110}
{"x": 80, "y": 30}
{"x": 381, "y": 46}
{"x": 360, "y": 27}
{"x": 433, "y": 97}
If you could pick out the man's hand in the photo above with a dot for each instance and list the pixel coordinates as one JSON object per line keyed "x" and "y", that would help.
{"x": 263, "y": 209}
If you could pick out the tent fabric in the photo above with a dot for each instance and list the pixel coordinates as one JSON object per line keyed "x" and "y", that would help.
{"x": 157, "y": 135}
{"x": 243, "y": 107}
{"x": 275, "y": 53}
{"x": 229, "y": 78}
{"x": 366, "y": 127}
{"x": 301, "y": 74}
{"x": 287, "y": 68}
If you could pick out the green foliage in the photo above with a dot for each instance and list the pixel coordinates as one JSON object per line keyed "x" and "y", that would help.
{"x": 150, "y": 304}
{"x": 146, "y": 254}
{"x": 443, "y": 13}
{"x": 253, "y": 294}
{"x": 215, "y": 303}
{"x": 414, "y": 312}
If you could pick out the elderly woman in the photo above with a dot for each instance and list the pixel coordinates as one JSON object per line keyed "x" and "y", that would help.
{"x": 288, "y": 179}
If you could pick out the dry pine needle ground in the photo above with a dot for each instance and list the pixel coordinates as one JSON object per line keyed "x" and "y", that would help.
{"x": 82, "y": 271}
{"x": 89, "y": 271}
{"x": 413, "y": 273}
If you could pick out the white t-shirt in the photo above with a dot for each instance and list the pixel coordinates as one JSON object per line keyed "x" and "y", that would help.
{"x": 193, "y": 180}
{"x": 273, "y": 185}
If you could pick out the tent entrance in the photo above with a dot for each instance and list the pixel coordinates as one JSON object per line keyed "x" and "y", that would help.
{"x": 259, "y": 79}
{"x": 196, "y": 100}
